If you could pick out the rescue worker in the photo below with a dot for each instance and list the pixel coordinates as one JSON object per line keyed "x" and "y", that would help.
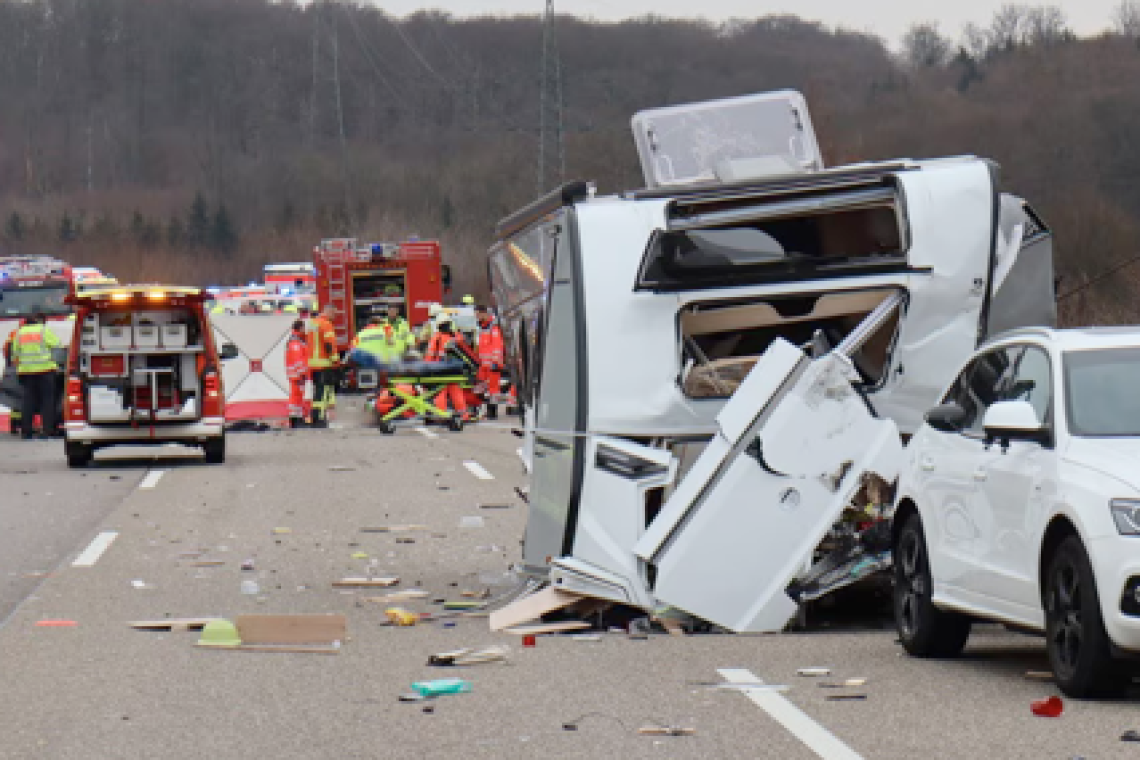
{"x": 490, "y": 352}
{"x": 443, "y": 339}
{"x": 466, "y": 321}
{"x": 297, "y": 370}
{"x": 290, "y": 308}
{"x": 31, "y": 353}
{"x": 217, "y": 308}
{"x": 380, "y": 340}
{"x": 14, "y": 403}
{"x": 399, "y": 325}
{"x": 321, "y": 339}
{"x": 428, "y": 329}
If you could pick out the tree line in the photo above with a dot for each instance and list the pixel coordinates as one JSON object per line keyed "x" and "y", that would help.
{"x": 196, "y": 140}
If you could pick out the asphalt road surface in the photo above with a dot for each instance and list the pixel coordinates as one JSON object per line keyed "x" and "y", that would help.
{"x": 99, "y": 689}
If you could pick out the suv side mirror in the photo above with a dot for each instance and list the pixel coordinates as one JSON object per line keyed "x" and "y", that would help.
{"x": 1007, "y": 421}
{"x": 947, "y": 418}
{"x": 228, "y": 351}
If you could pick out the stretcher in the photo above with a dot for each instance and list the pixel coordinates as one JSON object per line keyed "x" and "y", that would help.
{"x": 417, "y": 385}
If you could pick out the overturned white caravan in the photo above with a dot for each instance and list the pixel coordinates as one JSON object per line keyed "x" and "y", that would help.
{"x": 712, "y": 368}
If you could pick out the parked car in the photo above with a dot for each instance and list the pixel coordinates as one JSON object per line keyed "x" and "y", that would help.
{"x": 143, "y": 369}
{"x": 1020, "y": 503}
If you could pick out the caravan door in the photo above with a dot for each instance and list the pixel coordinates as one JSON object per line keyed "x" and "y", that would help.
{"x": 793, "y": 445}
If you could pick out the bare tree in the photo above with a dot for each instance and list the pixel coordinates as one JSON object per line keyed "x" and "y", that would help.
{"x": 923, "y": 46}
{"x": 1126, "y": 18}
{"x": 1045, "y": 25}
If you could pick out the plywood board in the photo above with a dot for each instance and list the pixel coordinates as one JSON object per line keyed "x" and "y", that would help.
{"x": 539, "y": 628}
{"x": 291, "y": 629}
{"x": 393, "y": 528}
{"x": 532, "y": 607}
{"x": 271, "y": 648}
{"x": 373, "y": 582}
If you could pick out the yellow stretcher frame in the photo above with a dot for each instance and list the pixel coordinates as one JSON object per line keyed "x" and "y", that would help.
{"x": 422, "y": 404}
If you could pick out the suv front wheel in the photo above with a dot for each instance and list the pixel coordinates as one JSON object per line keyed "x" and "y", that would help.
{"x": 924, "y": 630}
{"x": 1079, "y": 648}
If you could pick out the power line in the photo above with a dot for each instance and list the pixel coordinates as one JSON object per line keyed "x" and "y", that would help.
{"x": 419, "y": 56}
{"x": 366, "y": 50}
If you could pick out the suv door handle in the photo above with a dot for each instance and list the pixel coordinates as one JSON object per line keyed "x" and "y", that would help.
{"x": 980, "y": 474}
{"x": 926, "y": 463}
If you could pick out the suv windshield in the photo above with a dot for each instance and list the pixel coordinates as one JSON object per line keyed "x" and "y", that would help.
{"x": 1102, "y": 392}
{"x": 24, "y": 302}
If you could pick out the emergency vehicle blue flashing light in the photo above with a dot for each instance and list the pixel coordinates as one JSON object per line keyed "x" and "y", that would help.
{"x": 378, "y": 249}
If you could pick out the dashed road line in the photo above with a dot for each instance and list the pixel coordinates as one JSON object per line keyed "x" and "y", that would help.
{"x": 151, "y": 479}
{"x": 477, "y": 470}
{"x": 427, "y": 433}
{"x": 817, "y": 738}
{"x": 95, "y": 549}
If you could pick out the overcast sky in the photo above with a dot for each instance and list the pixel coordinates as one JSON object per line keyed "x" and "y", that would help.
{"x": 886, "y": 18}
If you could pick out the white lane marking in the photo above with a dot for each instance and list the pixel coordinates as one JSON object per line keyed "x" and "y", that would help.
{"x": 477, "y": 470}
{"x": 152, "y": 478}
{"x": 95, "y": 549}
{"x": 817, "y": 738}
{"x": 426, "y": 433}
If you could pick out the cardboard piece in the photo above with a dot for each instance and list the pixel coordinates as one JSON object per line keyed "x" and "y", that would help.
{"x": 539, "y": 628}
{"x": 291, "y": 629}
{"x": 372, "y": 582}
{"x": 532, "y": 607}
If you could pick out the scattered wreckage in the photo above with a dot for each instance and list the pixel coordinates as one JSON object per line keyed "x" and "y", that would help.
{"x": 718, "y": 372}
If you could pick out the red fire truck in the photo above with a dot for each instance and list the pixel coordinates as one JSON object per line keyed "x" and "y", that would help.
{"x": 364, "y": 280}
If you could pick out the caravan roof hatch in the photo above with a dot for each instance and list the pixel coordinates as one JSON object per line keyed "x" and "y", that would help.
{"x": 727, "y": 140}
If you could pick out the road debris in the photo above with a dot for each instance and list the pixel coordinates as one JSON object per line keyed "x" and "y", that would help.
{"x": 473, "y": 521}
{"x": 394, "y": 529}
{"x": 56, "y": 624}
{"x": 666, "y": 731}
{"x": 1039, "y": 675}
{"x": 471, "y": 656}
{"x": 341, "y": 468}
{"x": 1051, "y": 707}
{"x": 1131, "y": 735}
{"x": 849, "y": 683}
{"x": 282, "y": 531}
{"x": 441, "y": 686}
{"x": 401, "y": 617}
{"x": 367, "y": 582}
{"x": 541, "y": 628}
{"x": 845, "y": 697}
{"x": 173, "y": 625}
{"x": 813, "y": 672}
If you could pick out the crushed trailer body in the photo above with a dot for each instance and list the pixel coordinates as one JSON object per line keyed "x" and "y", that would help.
{"x": 711, "y": 372}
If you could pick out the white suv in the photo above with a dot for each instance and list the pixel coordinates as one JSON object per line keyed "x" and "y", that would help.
{"x": 1020, "y": 503}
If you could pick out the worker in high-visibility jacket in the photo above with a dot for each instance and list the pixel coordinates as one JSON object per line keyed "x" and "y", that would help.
{"x": 444, "y": 337}
{"x": 399, "y": 325}
{"x": 490, "y": 351}
{"x": 380, "y": 340}
{"x": 297, "y": 370}
{"x": 31, "y": 353}
{"x": 290, "y": 308}
{"x": 320, "y": 336}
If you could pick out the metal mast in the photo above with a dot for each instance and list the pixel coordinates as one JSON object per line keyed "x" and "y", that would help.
{"x": 551, "y": 131}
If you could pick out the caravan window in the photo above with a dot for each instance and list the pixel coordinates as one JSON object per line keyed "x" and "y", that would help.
{"x": 744, "y": 240}
{"x": 520, "y": 267}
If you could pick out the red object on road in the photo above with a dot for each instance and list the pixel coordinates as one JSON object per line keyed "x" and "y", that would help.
{"x": 56, "y": 624}
{"x": 1048, "y": 708}
{"x": 529, "y": 640}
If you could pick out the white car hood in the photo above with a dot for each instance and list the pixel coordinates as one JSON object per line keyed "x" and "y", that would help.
{"x": 1117, "y": 458}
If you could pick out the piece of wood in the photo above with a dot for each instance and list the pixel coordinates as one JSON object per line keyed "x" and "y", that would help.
{"x": 539, "y": 628}
{"x": 208, "y": 563}
{"x": 666, "y": 731}
{"x": 532, "y": 607}
{"x": 411, "y": 593}
{"x": 188, "y": 624}
{"x": 393, "y": 528}
{"x": 368, "y": 582}
{"x": 289, "y": 649}
{"x": 291, "y": 629}
{"x": 672, "y": 626}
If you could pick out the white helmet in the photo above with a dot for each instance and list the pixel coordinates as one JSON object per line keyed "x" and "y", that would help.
{"x": 435, "y": 309}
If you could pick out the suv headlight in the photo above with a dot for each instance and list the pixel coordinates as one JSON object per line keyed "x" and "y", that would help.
{"x": 1126, "y": 515}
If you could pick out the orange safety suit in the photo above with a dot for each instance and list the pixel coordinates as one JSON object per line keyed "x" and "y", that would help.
{"x": 437, "y": 349}
{"x": 490, "y": 350}
{"x": 320, "y": 337}
{"x": 297, "y": 370}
